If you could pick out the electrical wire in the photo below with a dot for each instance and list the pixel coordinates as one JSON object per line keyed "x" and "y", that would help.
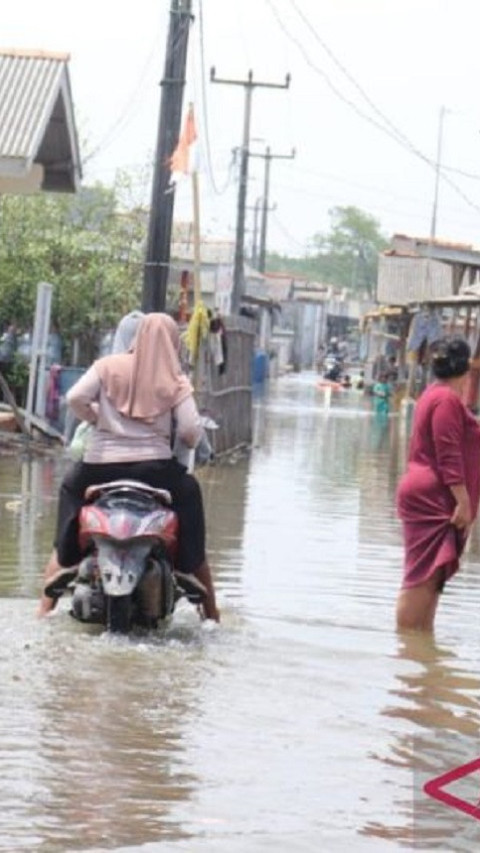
{"x": 132, "y": 105}
{"x": 287, "y": 233}
{"x": 396, "y": 131}
{"x": 389, "y": 128}
{"x": 125, "y": 115}
{"x": 325, "y": 176}
{"x": 217, "y": 190}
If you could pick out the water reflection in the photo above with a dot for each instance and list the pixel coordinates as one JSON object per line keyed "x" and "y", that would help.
{"x": 116, "y": 726}
{"x": 438, "y": 700}
{"x": 27, "y": 513}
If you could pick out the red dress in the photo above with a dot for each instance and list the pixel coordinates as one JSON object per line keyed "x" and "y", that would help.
{"x": 444, "y": 451}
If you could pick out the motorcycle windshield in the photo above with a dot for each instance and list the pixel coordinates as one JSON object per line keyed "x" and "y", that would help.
{"x": 121, "y": 565}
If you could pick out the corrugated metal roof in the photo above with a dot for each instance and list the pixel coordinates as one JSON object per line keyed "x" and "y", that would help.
{"x": 36, "y": 117}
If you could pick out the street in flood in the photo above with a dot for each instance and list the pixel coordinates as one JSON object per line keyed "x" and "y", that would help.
{"x": 303, "y": 722}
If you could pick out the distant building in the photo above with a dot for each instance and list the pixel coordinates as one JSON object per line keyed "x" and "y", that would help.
{"x": 425, "y": 288}
{"x": 414, "y": 270}
{"x": 314, "y": 312}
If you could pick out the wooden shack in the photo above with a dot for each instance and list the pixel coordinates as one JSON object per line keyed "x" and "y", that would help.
{"x": 440, "y": 280}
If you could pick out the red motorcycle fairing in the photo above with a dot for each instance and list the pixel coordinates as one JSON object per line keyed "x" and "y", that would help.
{"x": 130, "y": 526}
{"x": 122, "y": 524}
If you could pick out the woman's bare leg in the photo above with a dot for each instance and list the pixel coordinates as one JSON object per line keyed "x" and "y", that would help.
{"x": 47, "y": 604}
{"x": 417, "y": 605}
{"x": 209, "y": 605}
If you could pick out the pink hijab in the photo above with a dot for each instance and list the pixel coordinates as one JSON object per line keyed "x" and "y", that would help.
{"x": 147, "y": 381}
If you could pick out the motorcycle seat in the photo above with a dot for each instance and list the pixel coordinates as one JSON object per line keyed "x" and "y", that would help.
{"x": 119, "y": 486}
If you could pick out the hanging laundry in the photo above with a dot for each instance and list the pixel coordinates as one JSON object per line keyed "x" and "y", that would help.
{"x": 218, "y": 338}
{"x": 425, "y": 328}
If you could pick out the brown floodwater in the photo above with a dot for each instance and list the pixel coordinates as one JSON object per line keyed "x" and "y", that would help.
{"x": 302, "y": 723}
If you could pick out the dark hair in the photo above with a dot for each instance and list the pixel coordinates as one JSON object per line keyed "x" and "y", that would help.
{"x": 450, "y": 357}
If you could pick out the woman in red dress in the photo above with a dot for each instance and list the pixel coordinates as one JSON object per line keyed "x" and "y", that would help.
{"x": 438, "y": 496}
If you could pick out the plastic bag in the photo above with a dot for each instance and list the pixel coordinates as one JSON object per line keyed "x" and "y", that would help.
{"x": 80, "y": 440}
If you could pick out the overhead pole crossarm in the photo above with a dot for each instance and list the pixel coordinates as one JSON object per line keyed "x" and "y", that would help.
{"x": 249, "y": 84}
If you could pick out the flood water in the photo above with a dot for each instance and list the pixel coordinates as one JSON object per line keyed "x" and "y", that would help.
{"x": 302, "y": 723}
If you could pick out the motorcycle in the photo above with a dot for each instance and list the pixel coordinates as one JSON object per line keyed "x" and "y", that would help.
{"x": 129, "y": 533}
{"x": 333, "y": 367}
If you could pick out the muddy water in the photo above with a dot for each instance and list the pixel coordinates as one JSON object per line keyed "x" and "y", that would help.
{"x": 302, "y": 724}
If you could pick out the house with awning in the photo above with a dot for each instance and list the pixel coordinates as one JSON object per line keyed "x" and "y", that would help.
{"x": 39, "y": 147}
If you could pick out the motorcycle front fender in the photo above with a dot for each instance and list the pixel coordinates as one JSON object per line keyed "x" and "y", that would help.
{"x": 121, "y": 565}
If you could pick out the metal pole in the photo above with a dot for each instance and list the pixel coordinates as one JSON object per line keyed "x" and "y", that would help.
{"x": 437, "y": 173}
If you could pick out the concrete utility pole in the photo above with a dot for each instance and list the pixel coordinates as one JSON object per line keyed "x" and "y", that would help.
{"x": 249, "y": 85}
{"x": 256, "y": 211}
{"x": 268, "y": 157}
{"x": 157, "y": 260}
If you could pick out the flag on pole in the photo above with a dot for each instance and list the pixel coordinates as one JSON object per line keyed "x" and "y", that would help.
{"x": 184, "y": 159}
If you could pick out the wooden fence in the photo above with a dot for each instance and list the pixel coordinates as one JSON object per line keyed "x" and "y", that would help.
{"x": 226, "y": 395}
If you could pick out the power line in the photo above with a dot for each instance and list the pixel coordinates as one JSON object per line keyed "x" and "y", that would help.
{"x": 311, "y": 190}
{"x": 288, "y": 234}
{"x": 122, "y": 119}
{"x": 131, "y": 106}
{"x": 390, "y": 130}
{"x": 398, "y": 134}
{"x": 216, "y": 189}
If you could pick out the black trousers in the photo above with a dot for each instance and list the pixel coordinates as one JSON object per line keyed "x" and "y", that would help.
{"x": 160, "y": 473}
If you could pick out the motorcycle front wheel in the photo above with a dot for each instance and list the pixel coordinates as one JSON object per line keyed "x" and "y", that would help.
{"x": 119, "y": 613}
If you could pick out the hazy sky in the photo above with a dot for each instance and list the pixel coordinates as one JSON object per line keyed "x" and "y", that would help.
{"x": 369, "y": 78}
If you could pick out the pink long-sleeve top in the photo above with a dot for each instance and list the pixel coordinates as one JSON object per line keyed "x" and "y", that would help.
{"x": 446, "y": 438}
{"x": 117, "y": 438}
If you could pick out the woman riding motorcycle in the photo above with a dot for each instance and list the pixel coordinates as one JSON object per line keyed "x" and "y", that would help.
{"x": 131, "y": 398}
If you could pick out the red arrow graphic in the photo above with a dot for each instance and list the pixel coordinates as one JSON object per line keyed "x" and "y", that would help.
{"x": 435, "y": 788}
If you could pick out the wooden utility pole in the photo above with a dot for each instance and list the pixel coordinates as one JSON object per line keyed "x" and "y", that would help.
{"x": 238, "y": 268}
{"x": 157, "y": 260}
{"x": 268, "y": 157}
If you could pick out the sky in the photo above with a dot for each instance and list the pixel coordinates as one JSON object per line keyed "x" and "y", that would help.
{"x": 381, "y": 94}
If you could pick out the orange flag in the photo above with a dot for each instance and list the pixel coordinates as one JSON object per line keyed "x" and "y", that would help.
{"x": 182, "y": 161}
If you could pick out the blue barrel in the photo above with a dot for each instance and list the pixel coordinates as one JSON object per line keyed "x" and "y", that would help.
{"x": 259, "y": 367}
{"x": 68, "y": 377}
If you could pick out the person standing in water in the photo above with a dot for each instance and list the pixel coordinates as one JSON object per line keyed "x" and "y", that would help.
{"x": 438, "y": 496}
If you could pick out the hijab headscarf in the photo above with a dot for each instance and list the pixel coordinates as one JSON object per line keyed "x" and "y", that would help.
{"x": 148, "y": 380}
{"x": 126, "y": 331}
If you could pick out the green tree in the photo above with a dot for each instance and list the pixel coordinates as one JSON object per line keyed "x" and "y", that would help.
{"x": 87, "y": 245}
{"x": 346, "y": 256}
{"x": 348, "y": 253}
